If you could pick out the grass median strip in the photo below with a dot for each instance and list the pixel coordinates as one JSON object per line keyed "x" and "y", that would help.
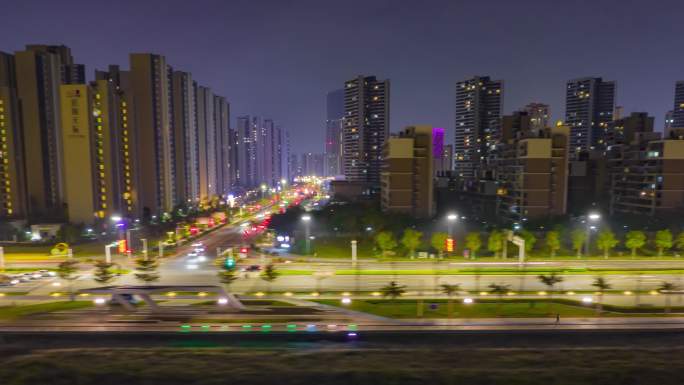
{"x": 492, "y": 271}
{"x": 14, "y": 312}
{"x": 490, "y": 308}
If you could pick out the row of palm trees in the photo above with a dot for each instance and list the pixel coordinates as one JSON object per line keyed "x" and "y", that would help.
{"x": 393, "y": 290}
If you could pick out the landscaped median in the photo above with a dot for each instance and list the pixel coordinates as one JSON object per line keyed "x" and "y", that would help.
{"x": 490, "y": 271}
{"x": 8, "y": 313}
{"x": 492, "y": 308}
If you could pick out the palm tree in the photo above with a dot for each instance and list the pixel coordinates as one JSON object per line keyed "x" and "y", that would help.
{"x": 499, "y": 290}
{"x": 667, "y": 288}
{"x": 393, "y": 290}
{"x": 269, "y": 275}
{"x": 146, "y": 270}
{"x": 103, "y": 272}
{"x": 601, "y": 286}
{"x": 550, "y": 281}
{"x": 450, "y": 290}
{"x": 67, "y": 271}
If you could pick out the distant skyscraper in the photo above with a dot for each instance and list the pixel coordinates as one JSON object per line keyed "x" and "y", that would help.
{"x": 539, "y": 115}
{"x": 246, "y": 139}
{"x": 294, "y": 166}
{"x": 207, "y": 142}
{"x": 224, "y": 180}
{"x": 312, "y": 164}
{"x": 678, "y": 110}
{"x": 589, "y": 106}
{"x": 479, "y": 102}
{"x": 40, "y": 69}
{"x": 366, "y": 127}
{"x": 185, "y": 137}
{"x": 151, "y": 82}
{"x": 333, "y": 132}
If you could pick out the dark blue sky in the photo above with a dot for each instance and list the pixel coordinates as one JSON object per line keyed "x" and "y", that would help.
{"x": 279, "y": 58}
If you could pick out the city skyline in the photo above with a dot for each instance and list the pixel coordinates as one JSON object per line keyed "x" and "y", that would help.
{"x": 284, "y": 57}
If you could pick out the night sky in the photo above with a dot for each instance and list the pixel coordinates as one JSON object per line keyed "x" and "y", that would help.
{"x": 279, "y": 58}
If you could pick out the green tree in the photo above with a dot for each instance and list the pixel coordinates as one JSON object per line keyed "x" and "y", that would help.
{"x": 667, "y": 288}
{"x": 103, "y": 272}
{"x": 680, "y": 241}
{"x": 411, "y": 240}
{"x": 578, "y": 237}
{"x": 530, "y": 240}
{"x": 385, "y": 241}
{"x": 601, "y": 286}
{"x": 393, "y": 290}
{"x": 553, "y": 242}
{"x": 606, "y": 241}
{"x": 634, "y": 240}
{"x": 67, "y": 271}
{"x": 450, "y": 291}
{"x": 663, "y": 241}
{"x": 270, "y": 274}
{"x": 438, "y": 242}
{"x": 495, "y": 242}
{"x": 473, "y": 242}
{"x": 499, "y": 290}
{"x": 146, "y": 270}
{"x": 550, "y": 281}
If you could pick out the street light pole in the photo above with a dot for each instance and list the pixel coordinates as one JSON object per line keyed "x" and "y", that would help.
{"x": 144, "y": 242}
{"x": 591, "y": 217}
{"x": 307, "y": 219}
{"x": 451, "y": 218}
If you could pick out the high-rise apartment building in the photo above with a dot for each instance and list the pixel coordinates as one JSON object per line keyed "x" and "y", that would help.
{"x": 366, "y": 127}
{"x": 312, "y": 164}
{"x": 539, "y": 114}
{"x": 12, "y": 176}
{"x": 625, "y": 130}
{"x": 151, "y": 85}
{"x": 532, "y": 171}
{"x": 479, "y": 102}
{"x": 117, "y": 110}
{"x": 186, "y": 141}
{"x": 407, "y": 173}
{"x": 224, "y": 181}
{"x": 589, "y": 107}
{"x": 333, "y": 132}
{"x": 39, "y": 71}
{"x": 647, "y": 176}
{"x": 678, "y": 110}
{"x": 265, "y": 153}
{"x": 246, "y": 142}
{"x": 206, "y": 129}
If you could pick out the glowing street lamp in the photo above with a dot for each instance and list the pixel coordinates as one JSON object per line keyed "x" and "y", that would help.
{"x": 307, "y": 219}
{"x": 591, "y": 217}
{"x": 451, "y": 218}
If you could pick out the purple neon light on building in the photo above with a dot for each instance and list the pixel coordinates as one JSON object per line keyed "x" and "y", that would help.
{"x": 437, "y": 142}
